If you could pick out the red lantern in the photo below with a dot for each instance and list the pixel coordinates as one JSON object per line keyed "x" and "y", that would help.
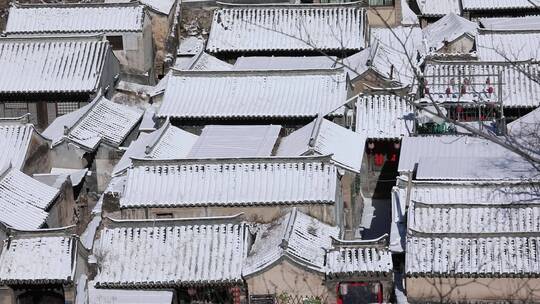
{"x": 490, "y": 90}
{"x": 379, "y": 159}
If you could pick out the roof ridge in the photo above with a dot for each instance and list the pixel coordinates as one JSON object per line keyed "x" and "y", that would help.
{"x": 469, "y": 235}
{"x": 247, "y": 73}
{"x": 222, "y": 5}
{"x": 18, "y": 5}
{"x": 288, "y": 230}
{"x": 54, "y": 38}
{"x": 267, "y": 159}
{"x": 315, "y": 131}
{"x": 68, "y": 231}
{"x": 214, "y": 220}
{"x": 162, "y": 130}
{"x": 381, "y": 241}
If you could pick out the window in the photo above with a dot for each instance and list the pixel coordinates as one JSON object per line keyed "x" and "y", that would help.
{"x": 164, "y": 215}
{"x": 66, "y": 107}
{"x": 381, "y": 2}
{"x": 15, "y": 109}
{"x": 262, "y": 299}
{"x": 116, "y": 42}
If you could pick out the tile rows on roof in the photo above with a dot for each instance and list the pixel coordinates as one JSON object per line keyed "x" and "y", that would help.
{"x": 23, "y": 200}
{"x": 471, "y": 5}
{"x": 284, "y": 28}
{"x": 383, "y": 116}
{"x": 75, "y": 18}
{"x": 359, "y": 261}
{"x": 309, "y": 244}
{"x": 47, "y": 257}
{"x": 106, "y": 122}
{"x": 261, "y": 94}
{"x": 467, "y": 229}
{"x": 177, "y": 253}
{"x": 437, "y": 8}
{"x": 508, "y": 46}
{"x": 511, "y": 23}
{"x": 235, "y": 141}
{"x": 295, "y": 236}
{"x": 38, "y": 65}
{"x": 15, "y": 141}
{"x": 474, "y": 218}
{"x": 323, "y": 137}
{"x": 227, "y": 182}
{"x": 502, "y": 256}
{"x": 519, "y": 89}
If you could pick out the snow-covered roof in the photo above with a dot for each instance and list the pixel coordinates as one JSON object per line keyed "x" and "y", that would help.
{"x": 438, "y": 8}
{"x": 357, "y": 64}
{"x": 476, "y": 167}
{"x": 469, "y": 255}
{"x": 323, "y": 137}
{"x": 461, "y": 158}
{"x": 23, "y": 200}
{"x": 295, "y": 236}
{"x": 284, "y": 27}
{"x": 231, "y": 182}
{"x": 161, "y": 6}
{"x": 393, "y": 50}
{"x": 254, "y": 94}
{"x": 190, "y": 46}
{"x": 104, "y": 121}
{"x": 203, "y": 62}
{"x": 284, "y": 63}
{"x": 359, "y": 258}
{"x": 508, "y": 46}
{"x": 218, "y": 141}
{"x": 75, "y": 175}
{"x": 122, "y": 296}
{"x": 55, "y": 130}
{"x": 413, "y": 149}
{"x": 448, "y": 29}
{"x": 168, "y": 142}
{"x": 52, "y": 65}
{"x": 523, "y": 132}
{"x": 472, "y": 229}
{"x": 519, "y": 86}
{"x": 384, "y": 116}
{"x": 171, "y": 253}
{"x": 464, "y": 207}
{"x": 408, "y": 17}
{"x": 469, "y": 5}
{"x": 525, "y": 23}
{"x": 39, "y": 257}
{"x": 75, "y": 18}
{"x": 15, "y": 142}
